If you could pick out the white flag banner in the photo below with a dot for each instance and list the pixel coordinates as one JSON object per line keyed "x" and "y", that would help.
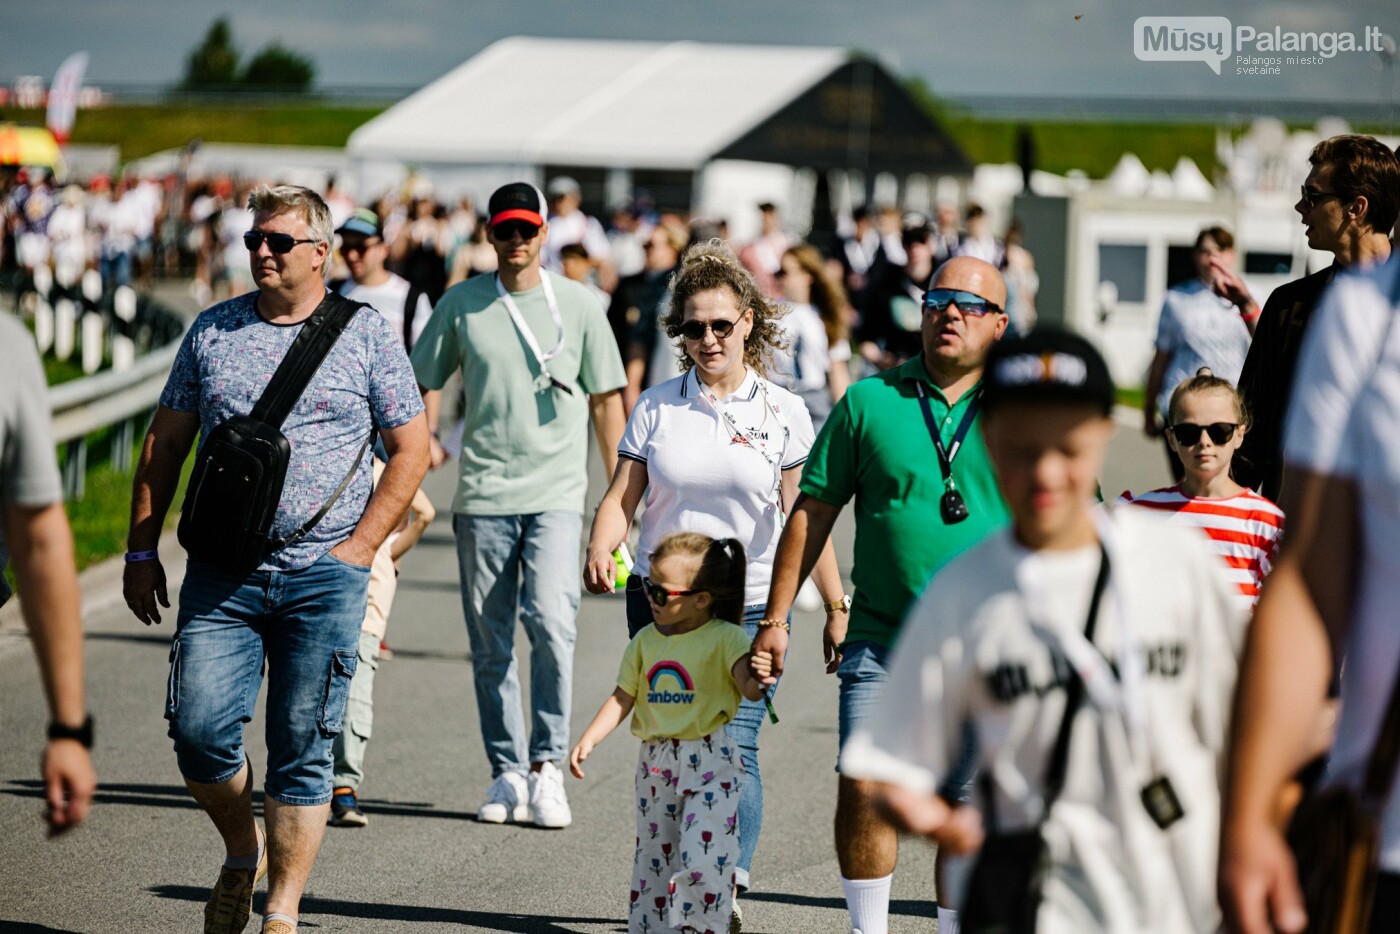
{"x": 63, "y": 95}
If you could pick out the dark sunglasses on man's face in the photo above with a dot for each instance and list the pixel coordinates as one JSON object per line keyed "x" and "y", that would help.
{"x": 1189, "y": 435}
{"x": 695, "y": 330}
{"x": 659, "y": 595}
{"x": 1312, "y": 199}
{"x": 276, "y": 242}
{"x": 509, "y": 230}
{"x": 969, "y": 303}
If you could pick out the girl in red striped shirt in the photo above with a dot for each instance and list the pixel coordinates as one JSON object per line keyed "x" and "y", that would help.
{"x": 1208, "y": 423}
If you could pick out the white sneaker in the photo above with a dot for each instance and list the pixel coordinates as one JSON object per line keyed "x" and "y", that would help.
{"x": 506, "y": 800}
{"x": 549, "y": 807}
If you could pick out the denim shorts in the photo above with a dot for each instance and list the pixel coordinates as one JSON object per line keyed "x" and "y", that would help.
{"x": 863, "y": 671}
{"x": 304, "y": 626}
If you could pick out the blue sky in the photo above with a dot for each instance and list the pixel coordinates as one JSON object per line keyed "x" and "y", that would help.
{"x": 1057, "y": 47}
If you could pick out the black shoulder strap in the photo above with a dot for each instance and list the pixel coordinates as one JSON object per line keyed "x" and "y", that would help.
{"x": 410, "y": 311}
{"x": 1074, "y": 697}
{"x": 318, "y": 335}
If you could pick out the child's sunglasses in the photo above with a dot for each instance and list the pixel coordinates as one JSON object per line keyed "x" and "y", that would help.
{"x": 1188, "y": 435}
{"x": 659, "y": 595}
{"x": 276, "y": 242}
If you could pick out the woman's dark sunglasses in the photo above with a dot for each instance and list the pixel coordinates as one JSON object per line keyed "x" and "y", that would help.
{"x": 659, "y": 595}
{"x": 969, "y": 303}
{"x": 1188, "y": 435}
{"x": 276, "y": 242}
{"x": 695, "y": 330}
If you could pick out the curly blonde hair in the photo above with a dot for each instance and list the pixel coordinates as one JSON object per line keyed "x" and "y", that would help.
{"x": 711, "y": 265}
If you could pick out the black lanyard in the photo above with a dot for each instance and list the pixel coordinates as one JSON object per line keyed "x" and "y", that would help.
{"x": 946, "y": 455}
{"x": 952, "y": 507}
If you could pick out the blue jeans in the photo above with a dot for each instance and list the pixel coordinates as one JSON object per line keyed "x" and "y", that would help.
{"x": 743, "y": 729}
{"x": 305, "y": 625}
{"x": 526, "y": 563}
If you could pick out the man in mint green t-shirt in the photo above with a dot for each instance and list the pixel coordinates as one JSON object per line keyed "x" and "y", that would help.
{"x": 537, "y": 357}
{"x": 907, "y": 446}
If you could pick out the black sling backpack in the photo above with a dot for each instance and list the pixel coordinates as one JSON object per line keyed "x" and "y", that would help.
{"x": 240, "y": 469}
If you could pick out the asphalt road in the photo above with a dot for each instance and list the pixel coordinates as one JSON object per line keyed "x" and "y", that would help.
{"x": 147, "y": 857}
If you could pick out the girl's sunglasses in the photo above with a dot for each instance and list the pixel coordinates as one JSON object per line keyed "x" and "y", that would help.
{"x": 659, "y": 595}
{"x": 695, "y": 330}
{"x": 276, "y": 242}
{"x": 1188, "y": 435}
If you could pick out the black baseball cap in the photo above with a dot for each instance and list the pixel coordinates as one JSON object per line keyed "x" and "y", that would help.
{"x": 517, "y": 201}
{"x": 1046, "y": 365}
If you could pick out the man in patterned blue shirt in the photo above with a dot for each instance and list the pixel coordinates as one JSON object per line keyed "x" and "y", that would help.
{"x": 302, "y": 607}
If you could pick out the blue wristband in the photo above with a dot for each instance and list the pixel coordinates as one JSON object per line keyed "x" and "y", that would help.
{"x": 133, "y": 556}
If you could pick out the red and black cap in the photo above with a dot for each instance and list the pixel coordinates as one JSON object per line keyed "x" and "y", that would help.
{"x": 517, "y": 201}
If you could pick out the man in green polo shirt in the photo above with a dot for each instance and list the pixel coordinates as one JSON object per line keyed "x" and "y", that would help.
{"x": 907, "y": 446}
{"x": 537, "y": 358}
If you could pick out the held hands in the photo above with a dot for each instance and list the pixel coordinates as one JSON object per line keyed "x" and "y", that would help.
{"x": 761, "y": 665}
{"x": 771, "y": 642}
{"x": 143, "y": 587}
{"x": 599, "y": 570}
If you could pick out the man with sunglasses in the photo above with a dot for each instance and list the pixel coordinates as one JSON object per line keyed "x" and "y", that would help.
{"x": 537, "y": 359}
{"x": 907, "y": 446}
{"x": 1348, "y": 206}
{"x": 298, "y": 613}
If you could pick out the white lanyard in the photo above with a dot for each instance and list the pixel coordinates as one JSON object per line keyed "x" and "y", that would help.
{"x": 750, "y": 437}
{"x": 1125, "y": 691}
{"x": 545, "y": 379}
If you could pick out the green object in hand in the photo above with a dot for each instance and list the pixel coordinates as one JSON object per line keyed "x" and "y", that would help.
{"x": 768, "y": 702}
{"x": 623, "y": 559}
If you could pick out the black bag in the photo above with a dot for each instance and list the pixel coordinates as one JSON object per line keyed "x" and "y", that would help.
{"x": 236, "y": 485}
{"x": 1003, "y": 895}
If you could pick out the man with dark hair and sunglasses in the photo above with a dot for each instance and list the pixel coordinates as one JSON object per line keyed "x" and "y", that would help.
{"x": 537, "y": 359}
{"x": 907, "y": 446}
{"x": 1348, "y": 206}
{"x": 299, "y": 612}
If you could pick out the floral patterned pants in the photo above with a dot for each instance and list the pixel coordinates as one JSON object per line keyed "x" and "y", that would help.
{"x": 687, "y": 835}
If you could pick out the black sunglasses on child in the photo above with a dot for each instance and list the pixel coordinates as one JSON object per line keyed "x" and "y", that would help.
{"x": 659, "y": 595}
{"x": 695, "y": 330}
{"x": 1188, "y": 435}
{"x": 276, "y": 242}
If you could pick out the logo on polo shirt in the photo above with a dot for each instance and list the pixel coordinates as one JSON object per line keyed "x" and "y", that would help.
{"x": 670, "y": 684}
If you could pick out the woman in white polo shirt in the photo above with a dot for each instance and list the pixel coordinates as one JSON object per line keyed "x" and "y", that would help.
{"x": 717, "y": 450}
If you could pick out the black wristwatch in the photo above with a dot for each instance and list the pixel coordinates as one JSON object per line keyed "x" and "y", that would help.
{"x": 82, "y": 734}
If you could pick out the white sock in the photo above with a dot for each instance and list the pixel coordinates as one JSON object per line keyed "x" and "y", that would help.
{"x": 947, "y": 920}
{"x": 247, "y": 862}
{"x": 278, "y": 916}
{"x": 868, "y": 901}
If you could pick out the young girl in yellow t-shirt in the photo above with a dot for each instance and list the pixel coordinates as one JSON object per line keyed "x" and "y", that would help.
{"x": 681, "y": 679}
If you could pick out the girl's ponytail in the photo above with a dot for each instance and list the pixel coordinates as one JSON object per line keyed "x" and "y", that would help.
{"x": 723, "y": 572}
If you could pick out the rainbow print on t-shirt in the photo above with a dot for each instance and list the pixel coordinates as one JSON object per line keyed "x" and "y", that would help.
{"x": 664, "y": 676}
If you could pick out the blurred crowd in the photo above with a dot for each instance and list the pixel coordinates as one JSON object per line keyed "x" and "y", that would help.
{"x": 856, "y": 296}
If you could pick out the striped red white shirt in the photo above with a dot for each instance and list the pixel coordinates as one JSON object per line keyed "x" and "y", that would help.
{"x": 1244, "y": 530}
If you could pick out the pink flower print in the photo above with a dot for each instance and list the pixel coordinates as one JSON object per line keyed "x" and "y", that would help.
{"x": 666, "y": 852}
{"x": 695, "y": 877}
{"x": 731, "y": 824}
{"x": 709, "y": 800}
{"x": 642, "y": 886}
{"x": 668, "y": 778}
{"x": 710, "y": 898}
{"x": 707, "y": 778}
{"x": 652, "y": 828}
{"x": 660, "y": 903}
{"x": 706, "y": 839}
{"x": 689, "y": 821}
{"x": 726, "y": 787}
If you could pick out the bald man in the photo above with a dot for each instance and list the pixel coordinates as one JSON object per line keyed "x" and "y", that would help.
{"x": 907, "y": 445}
